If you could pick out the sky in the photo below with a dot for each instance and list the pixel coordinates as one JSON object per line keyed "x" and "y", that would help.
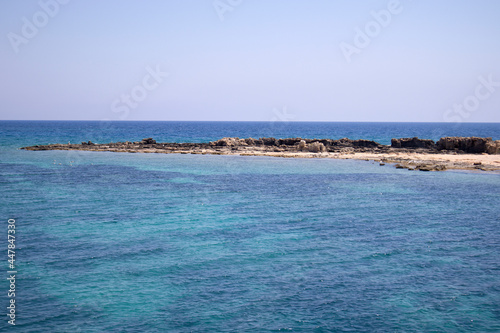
{"x": 250, "y": 60}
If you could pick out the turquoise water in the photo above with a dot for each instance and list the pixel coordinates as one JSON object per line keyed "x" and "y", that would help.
{"x": 121, "y": 242}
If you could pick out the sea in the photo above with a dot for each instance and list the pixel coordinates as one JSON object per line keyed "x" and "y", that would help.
{"x": 122, "y": 242}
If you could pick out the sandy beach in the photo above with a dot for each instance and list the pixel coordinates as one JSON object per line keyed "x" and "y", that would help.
{"x": 407, "y": 160}
{"x": 414, "y": 160}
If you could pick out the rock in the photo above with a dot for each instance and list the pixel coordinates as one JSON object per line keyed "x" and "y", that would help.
{"x": 440, "y": 167}
{"x": 269, "y": 141}
{"x": 430, "y": 167}
{"x": 302, "y": 145}
{"x": 493, "y": 147}
{"x": 289, "y": 141}
{"x": 396, "y": 143}
{"x": 316, "y": 147}
{"x": 414, "y": 142}
{"x": 345, "y": 142}
{"x": 226, "y": 142}
{"x": 288, "y": 147}
{"x": 365, "y": 143}
{"x": 347, "y": 150}
{"x": 424, "y": 167}
{"x": 473, "y": 145}
{"x": 148, "y": 141}
{"x": 250, "y": 141}
{"x": 326, "y": 142}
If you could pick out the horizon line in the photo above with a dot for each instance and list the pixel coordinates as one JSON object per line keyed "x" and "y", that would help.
{"x": 261, "y": 121}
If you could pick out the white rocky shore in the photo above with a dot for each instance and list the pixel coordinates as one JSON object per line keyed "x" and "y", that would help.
{"x": 469, "y": 153}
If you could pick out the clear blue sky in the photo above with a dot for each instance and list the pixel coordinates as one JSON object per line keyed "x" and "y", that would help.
{"x": 250, "y": 60}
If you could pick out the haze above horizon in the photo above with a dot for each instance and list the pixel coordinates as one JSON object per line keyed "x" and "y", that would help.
{"x": 236, "y": 60}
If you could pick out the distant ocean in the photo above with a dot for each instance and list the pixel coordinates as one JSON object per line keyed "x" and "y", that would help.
{"x": 120, "y": 242}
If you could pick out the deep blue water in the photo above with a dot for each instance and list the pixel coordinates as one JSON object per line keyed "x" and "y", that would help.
{"x": 44, "y": 132}
{"x": 117, "y": 242}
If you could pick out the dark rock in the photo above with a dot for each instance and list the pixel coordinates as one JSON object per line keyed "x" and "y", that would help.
{"x": 326, "y": 142}
{"x": 269, "y": 141}
{"x": 258, "y": 142}
{"x": 473, "y": 145}
{"x": 365, "y": 143}
{"x": 413, "y": 143}
{"x": 430, "y": 167}
{"x": 218, "y": 143}
{"x": 345, "y": 142}
{"x": 148, "y": 141}
{"x": 424, "y": 167}
{"x": 396, "y": 143}
{"x": 493, "y": 147}
{"x": 250, "y": 141}
{"x": 440, "y": 167}
{"x": 289, "y": 141}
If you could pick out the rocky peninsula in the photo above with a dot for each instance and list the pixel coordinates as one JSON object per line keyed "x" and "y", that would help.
{"x": 468, "y": 153}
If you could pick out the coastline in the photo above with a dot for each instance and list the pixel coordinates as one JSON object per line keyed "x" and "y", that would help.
{"x": 407, "y": 153}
